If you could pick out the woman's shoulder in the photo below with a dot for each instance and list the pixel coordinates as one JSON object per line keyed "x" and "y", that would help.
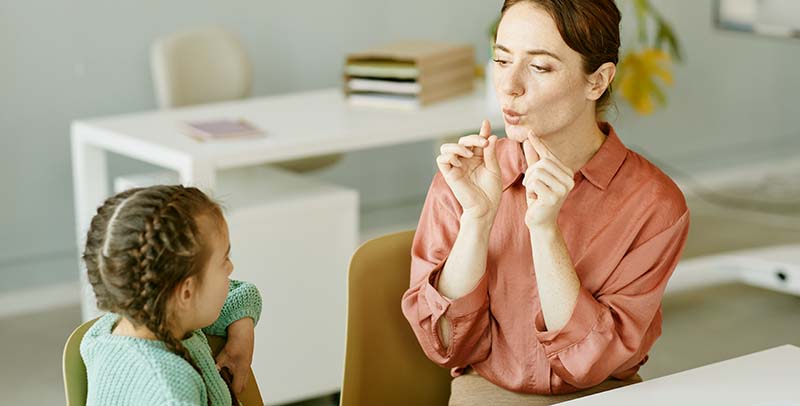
{"x": 645, "y": 178}
{"x": 660, "y": 202}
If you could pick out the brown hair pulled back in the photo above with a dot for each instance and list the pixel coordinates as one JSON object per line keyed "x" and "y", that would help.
{"x": 589, "y": 27}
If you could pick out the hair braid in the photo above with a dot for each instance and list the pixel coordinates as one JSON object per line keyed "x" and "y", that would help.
{"x": 141, "y": 245}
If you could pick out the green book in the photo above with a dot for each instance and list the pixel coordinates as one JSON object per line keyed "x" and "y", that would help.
{"x": 382, "y": 69}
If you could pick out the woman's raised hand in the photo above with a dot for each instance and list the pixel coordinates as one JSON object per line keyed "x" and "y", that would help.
{"x": 547, "y": 182}
{"x": 471, "y": 170}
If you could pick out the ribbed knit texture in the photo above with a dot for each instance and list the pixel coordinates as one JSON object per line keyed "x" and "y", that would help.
{"x": 134, "y": 371}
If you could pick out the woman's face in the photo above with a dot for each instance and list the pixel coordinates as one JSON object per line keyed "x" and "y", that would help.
{"x": 538, "y": 78}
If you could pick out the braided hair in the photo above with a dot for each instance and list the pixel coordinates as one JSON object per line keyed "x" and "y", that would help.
{"x": 141, "y": 245}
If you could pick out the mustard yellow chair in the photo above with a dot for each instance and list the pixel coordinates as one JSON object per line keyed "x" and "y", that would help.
{"x": 384, "y": 364}
{"x": 74, "y": 370}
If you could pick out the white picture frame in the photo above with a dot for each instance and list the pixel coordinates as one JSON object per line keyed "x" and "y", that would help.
{"x": 779, "y": 18}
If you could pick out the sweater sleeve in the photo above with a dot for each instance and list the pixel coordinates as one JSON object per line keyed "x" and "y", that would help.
{"x": 243, "y": 300}
{"x": 423, "y": 305}
{"x": 607, "y": 334}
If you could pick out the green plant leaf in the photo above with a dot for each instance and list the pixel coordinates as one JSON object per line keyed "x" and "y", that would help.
{"x": 493, "y": 27}
{"x": 666, "y": 35}
{"x": 641, "y": 7}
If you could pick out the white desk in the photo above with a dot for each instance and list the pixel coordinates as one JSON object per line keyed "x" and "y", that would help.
{"x": 766, "y": 378}
{"x": 772, "y": 267}
{"x": 297, "y": 125}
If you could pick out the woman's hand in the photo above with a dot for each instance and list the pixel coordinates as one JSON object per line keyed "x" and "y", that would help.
{"x": 472, "y": 172}
{"x": 237, "y": 355}
{"x": 547, "y": 183}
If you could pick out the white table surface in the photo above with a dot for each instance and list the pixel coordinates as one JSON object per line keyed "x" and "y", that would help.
{"x": 766, "y": 378}
{"x": 296, "y": 125}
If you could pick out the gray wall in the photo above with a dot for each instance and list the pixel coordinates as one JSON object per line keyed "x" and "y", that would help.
{"x": 734, "y": 92}
{"x": 67, "y": 60}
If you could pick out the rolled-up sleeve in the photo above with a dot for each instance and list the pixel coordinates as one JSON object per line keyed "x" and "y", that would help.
{"x": 610, "y": 332}
{"x": 424, "y": 306}
{"x": 244, "y": 300}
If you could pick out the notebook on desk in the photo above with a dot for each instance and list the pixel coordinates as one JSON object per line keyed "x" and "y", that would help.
{"x": 221, "y": 129}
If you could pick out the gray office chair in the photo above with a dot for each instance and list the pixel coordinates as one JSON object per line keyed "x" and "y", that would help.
{"x": 209, "y": 65}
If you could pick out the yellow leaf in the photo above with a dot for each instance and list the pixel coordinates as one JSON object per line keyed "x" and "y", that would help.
{"x": 638, "y": 75}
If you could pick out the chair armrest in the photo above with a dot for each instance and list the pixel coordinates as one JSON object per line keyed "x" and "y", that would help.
{"x": 251, "y": 396}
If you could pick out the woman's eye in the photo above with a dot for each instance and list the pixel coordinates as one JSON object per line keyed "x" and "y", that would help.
{"x": 500, "y": 62}
{"x": 539, "y": 69}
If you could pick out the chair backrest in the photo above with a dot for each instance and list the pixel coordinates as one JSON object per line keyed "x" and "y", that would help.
{"x": 199, "y": 66}
{"x": 74, "y": 370}
{"x": 384, "y": 364}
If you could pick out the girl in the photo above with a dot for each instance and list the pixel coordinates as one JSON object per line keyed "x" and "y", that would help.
{"x": 158, "y": 261}
{"x": 541, "y": 258}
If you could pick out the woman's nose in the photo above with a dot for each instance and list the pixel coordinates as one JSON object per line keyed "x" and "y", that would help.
{"x": 512, "y": 83}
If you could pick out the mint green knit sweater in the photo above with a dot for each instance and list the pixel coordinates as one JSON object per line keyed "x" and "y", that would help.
{"x": 134, "y": 371}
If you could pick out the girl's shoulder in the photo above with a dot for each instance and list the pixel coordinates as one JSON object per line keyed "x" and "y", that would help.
{"x": 138, "y": 366}
{"x": 96, "y": 335}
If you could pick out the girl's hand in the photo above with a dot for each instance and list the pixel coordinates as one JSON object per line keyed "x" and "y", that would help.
{"x": 472, "y": 172}
{"x": 547, "y": 182}
{"x": 237, "y": 355}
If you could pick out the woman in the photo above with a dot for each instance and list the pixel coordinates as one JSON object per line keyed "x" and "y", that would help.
{"x": 540, "y": 259}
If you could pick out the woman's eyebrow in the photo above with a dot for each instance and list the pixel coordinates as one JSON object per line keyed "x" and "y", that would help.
{"x": 529, "y": 52}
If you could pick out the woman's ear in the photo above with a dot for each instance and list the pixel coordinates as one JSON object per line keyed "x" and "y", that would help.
{"x": 600, "y": 80}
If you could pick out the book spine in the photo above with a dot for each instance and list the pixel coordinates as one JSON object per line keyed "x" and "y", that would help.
{"x": 444, "y": 93}
{"x": 443, "y": 61}
{"x": 460, "y": 74}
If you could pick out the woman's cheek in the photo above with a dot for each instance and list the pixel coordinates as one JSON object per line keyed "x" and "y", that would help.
{"x": 554, "y": 106}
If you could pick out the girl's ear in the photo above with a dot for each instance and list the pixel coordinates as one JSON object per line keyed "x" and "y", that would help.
{"x": 185, "y": 293}
{"x": 600, "y": 80}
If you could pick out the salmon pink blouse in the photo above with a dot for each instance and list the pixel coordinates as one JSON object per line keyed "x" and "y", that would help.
{"x": 624, "y": 224}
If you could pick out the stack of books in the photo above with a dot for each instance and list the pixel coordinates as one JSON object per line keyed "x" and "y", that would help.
{"x": 409, "y": 74}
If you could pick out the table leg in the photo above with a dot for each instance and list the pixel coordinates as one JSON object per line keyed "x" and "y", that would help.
{"x": 90, "y": 188}
{"x": 197, "y": 174}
